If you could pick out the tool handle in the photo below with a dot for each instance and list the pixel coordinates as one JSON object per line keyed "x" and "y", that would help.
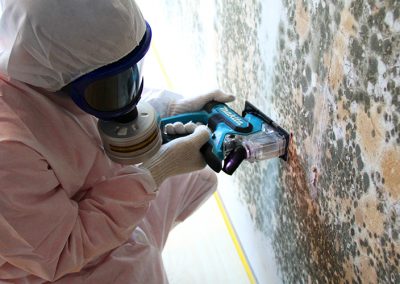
{"x": 213, "y": 161}
{"x": 207, "y": 150}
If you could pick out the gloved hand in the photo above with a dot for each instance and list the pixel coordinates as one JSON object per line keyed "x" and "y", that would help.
{"x": 191, "y": 105}
{"x": 180, "y": 128}
{"x": 198, "y": 102}
{"x": 179, "y": 156}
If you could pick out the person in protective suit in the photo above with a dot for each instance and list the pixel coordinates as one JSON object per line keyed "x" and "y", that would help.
{"x": 68, "y": 213}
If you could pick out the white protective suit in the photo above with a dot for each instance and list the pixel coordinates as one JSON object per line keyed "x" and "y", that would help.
{"x": 67, "y": 213}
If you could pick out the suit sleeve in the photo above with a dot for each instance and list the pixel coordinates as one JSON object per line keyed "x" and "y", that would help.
{"x": 160, "y": 99}
{"x": 46, "y": 233}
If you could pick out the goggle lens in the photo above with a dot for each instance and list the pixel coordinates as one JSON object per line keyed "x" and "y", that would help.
{"x": 114, "y": 92}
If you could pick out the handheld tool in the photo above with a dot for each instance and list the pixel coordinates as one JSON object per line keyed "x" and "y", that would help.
{"x": 252, "y": 136}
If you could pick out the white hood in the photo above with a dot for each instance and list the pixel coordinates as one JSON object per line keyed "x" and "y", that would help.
{"x": 49, "y": 43}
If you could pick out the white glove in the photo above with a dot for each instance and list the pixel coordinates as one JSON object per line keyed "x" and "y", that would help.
{"x": 179, "y": 156}
{"x": 191, "y": 105}
{"x": 197, "y": 103}
{"x": 160, "y": 100}
{"x": 180, "y": 128}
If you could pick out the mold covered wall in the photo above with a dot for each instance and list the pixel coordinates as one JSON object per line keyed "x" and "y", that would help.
{"x": 332, "y": 212}
{"x": 329, "y": 72}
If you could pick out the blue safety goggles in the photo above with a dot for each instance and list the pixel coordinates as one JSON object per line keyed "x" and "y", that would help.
{"x": 113, "y": 90}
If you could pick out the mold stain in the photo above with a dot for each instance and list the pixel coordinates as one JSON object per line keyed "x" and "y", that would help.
{"x": 315, "y": 174}
{"x": 346, "y": 132}
{"x": 391, "y": 171}
{"x": 371, "y": 135}
{"x": 333, "y": 212}
{"x": 334, "y": 58}
{"x": 369, "y": 274}
{"x": 302, "y": 20}
{"x": 318, "y": 243}
{"x": 367, "y": 214}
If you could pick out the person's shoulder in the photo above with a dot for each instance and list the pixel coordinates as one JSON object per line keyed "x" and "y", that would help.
{"x": 12, "y": 127}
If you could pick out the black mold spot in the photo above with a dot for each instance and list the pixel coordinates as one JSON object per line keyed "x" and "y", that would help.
{"x": 396, "y": 122}
{"x": 396, "y": 13}
{"x": 372, "y": 72}
{"x": 366, "y": 182}
{"x": 364, "y": 31}
{"x": 309, "y": 102}
{"x": 360, "y": 163}
{"x": 306, "y": 46}
{"x": 353, "y": 134}
{"x": 380, "y": 18}
{"x": 298, "y": 54}
{"x": 353, "y": 117}
{"x": 337, "y": 17}
{"x": 304, "y": 84}
{"x": 281, "y": 44}
{"x": 339, "y": 147}
{"x": 387, "y": 47}
{"x": 308, "y": 73}
{"x": 292, "y": 35}
{"x": 362, "y": 97}
{"x": 357, "y": 8}
{"x": 380, "y": 207}
{"x": 333, "y": 136}
{"x": 387, "y": 135}
{"x": 358, "y": 150}
{"x": 375, "y": 43}
{"x": 356, "y": 51}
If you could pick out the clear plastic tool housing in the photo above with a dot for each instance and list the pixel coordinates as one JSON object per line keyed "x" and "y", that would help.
{"x": 264, "y": 145}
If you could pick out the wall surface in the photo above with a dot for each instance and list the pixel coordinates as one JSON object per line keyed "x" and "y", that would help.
{"x": 329, "y": 72}
{"x": 332, "y": 212}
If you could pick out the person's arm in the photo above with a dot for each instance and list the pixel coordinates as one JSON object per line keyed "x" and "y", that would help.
{"x": 168, "y": 103}
{"x": 45, "y": 232}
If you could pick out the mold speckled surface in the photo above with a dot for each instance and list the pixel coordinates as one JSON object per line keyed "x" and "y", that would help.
{"x": 333, "y": 212}
{"x": 329, "y": 72}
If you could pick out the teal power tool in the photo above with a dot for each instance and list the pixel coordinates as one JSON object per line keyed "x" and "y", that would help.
{"x": 252, "y": 136}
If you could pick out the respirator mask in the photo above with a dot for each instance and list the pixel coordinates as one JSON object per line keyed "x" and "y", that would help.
{"x": 129, "y": 129}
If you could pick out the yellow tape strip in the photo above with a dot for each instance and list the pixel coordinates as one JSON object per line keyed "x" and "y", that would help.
{"x": 162, "y": 68}
{"x": 220, "y": 204}
{"x": 234, "y": 238}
